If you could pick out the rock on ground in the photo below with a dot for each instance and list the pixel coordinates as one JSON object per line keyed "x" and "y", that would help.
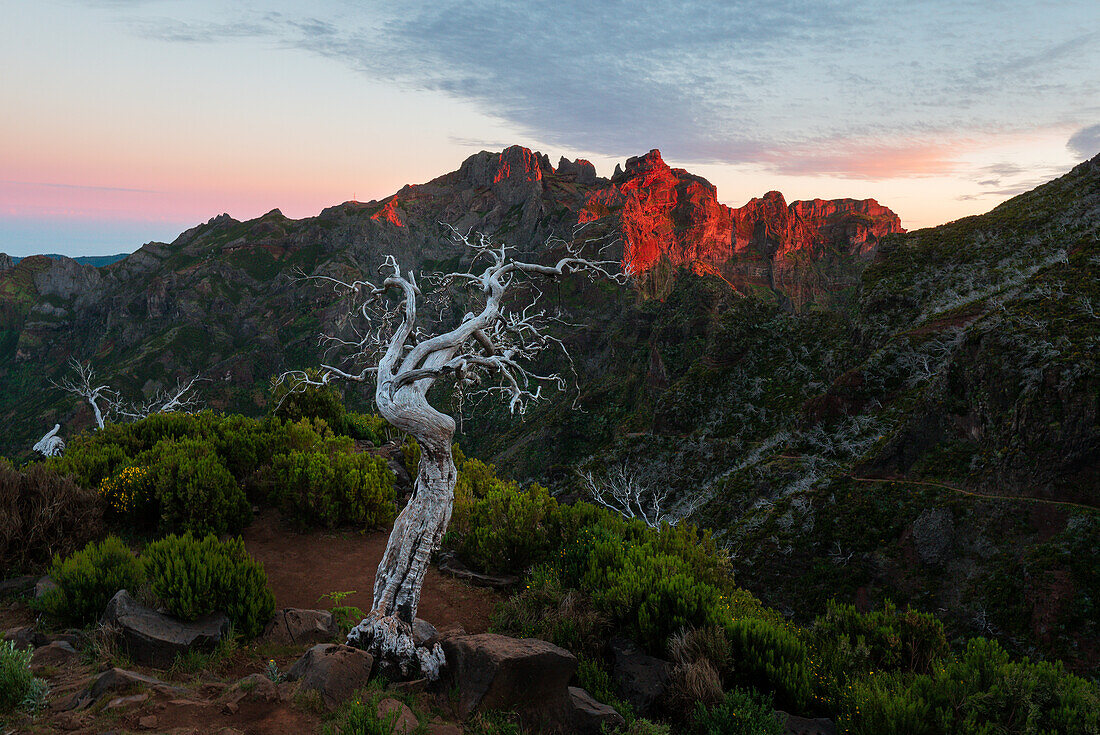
{"x": 293, "y": 625}
{"x": 589, "y": 717}
{"x": 117, "y": 680}
{"x": 405, "y": 721}
{"x": 155, "y": 639}
{"x": 335, "y": 671}
{"x": 639, "y": 678}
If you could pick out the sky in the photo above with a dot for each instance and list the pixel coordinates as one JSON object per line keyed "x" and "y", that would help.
{"x": 126, "y": 121}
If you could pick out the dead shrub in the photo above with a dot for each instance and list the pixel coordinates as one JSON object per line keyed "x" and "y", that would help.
{"x": 691, "y": 683}
{"x": 43, "y": 514}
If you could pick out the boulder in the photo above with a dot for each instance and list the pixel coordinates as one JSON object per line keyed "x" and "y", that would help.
{"x": 155, "y": 639}
{"x": 424, "y": 633}
{"x": 405, "y": 721}
{"x": 587, "y": 716}
{"x": 292, "y": 625}
{"x": 24, "y": 637}
{"x": 17, "y": 586}
{"x": 795, "y": 725}
{"x": 335, "y": 671}
{"x": 496, "y": 672}
{"x": 639, "y": 678}
{"x": 43, "y": 587}
{"x": 256, "y": 687}
{"x": 449, "y": 564}
{"x": 58, "y": 653}
{"x": 118, "y": 680}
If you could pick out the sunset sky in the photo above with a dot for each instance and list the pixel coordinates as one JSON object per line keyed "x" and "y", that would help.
{"x": 126, "y": 121}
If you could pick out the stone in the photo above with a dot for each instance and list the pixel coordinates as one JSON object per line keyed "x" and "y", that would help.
{"x": 795, "y": 725}
{"x": 6, "y": 263}
{"x": 639, "y": 678}
{"x": 124, "y": 702}
{"x": 444, "y": 728}
{"x": 335, "y": 671}
{"x": 58, "y": 653}
{"x": 449, "y": 564}
{"x": 255, "y": 687}
{"x": 589, "y": 717}
{"x": 292, "y": 625}
{"x": 117, "y": 680}
{"x": 404, "y": 722}
{"x": 424, "y": 633}
{"x": 148, "y": 722}
{"x": 155, "y": 639}
{"x": 496, "y": 672}
{"x": 24, "y": 637}
{"x": 43, "y": 587}
{"x": 17, "y": 586}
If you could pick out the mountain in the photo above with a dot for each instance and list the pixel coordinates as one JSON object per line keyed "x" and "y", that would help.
{"x": 856, "y": 411}
{"x": 97, "y": 260}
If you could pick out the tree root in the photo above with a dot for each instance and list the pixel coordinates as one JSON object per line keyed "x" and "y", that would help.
{"x": 390, "y": 640}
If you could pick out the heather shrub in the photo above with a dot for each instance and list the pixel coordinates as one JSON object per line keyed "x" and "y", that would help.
{"x": 88, "y": 579}
{"x": 314, "y": 487}
{"x": 770, "y": 657}
{"x": 194, "y": 489}
{"x": 293, "y": 401}
{"x": 546, "y": 610}
{"x": 741, "y": 712}
{"x": 193, "y": 577}
{"x": 981, "y": 691}
{"x": 43, "y": 514}
{"x": 19, "y": 689}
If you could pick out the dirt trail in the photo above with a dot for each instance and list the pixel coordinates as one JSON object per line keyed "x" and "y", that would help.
{"x": 971, "y": 493}
{"x": 303, "y": 566}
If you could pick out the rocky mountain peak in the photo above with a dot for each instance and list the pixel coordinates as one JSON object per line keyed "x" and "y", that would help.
{"x": 5, "y": 262}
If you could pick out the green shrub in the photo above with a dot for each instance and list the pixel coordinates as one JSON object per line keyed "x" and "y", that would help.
{"x": 89, "y": 578}
{"x": 369, "y": 427}
{"x": 195, "y": 491}
{"x": 193, "y": 578}
{"x": 18, "y": 686}
{"x": 359, "y": 716}
{"x": 43, "y": 513}
{"x": 770, "y": 657}
{"x": 318, "y": 488}
{"x": 496, "y": 526}
{"x": 981, "y": 691}
{"x": 744, "y": 712}
{"x": 293, "y": 401}
{"x": 546, "y": 610}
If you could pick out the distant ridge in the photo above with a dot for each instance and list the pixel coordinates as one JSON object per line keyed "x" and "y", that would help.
{"x": 97, "y": 260}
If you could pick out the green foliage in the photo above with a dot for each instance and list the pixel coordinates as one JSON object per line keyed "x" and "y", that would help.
{"x": 771, "y": 657}
{"x": 18, "y": 686}
{"x": 42, "y": 513}
{"x": 545, "y": 609}
{"x": 194, "y": 577}
{"x": 346, "y": 616}
{"x": 982, "y": 692}
{"x": 744, "y": 712}
{"x": 319, "y": 488}
{"x": 89, "y": 578}
{"x": 293, "y": 401}
{"x": 359, "y": 716}
{"x": 195, "y": 491}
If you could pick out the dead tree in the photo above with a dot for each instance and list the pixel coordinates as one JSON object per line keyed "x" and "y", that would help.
{"x": 623, "y": 492}
{"x": 100, "y": 397}
{"x": 106, "y": 401}
{"x": 490, "y": 351}
{"x": 50, "y": 445}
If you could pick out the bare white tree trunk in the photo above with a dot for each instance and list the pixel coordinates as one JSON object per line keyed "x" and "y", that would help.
{"x": 50, "y": 445}
{"x": 494, "y": 342}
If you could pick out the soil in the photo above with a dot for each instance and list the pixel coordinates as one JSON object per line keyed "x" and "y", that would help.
{"x": 303, "y": 567}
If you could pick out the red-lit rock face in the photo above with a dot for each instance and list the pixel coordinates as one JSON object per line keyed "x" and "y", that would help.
{"x": 389, "y": 213}
{"x": 669, "y": 213}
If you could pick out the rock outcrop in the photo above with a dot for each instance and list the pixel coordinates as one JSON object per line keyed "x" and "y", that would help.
{"x": 332, "y": 670}
{"x": 155, "y": 639}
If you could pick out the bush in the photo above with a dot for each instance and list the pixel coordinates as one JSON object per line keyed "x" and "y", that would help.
{"x": 18, "y": 686}
{"x": 193, "y": 578}
{"x": 742, "y": 712}
{"x": 496, "y": 526}
{"x": 293, "y": 402}
{"x": 769, "y": 656}
{"x": 88, "y": 579}
{"x": 195, "y": 491}
{"x": 982, "y": 691}
{"x": 43, "y": 514}
{"x": 330, "y": 490}
{"x": 545, "y": 610}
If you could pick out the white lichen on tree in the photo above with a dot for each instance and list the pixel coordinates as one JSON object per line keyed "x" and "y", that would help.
{"x": 490, "y": 351}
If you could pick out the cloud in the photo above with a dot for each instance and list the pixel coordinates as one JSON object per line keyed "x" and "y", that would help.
{"x": 1085, "y": 142}
{"x": 825, "y": 88}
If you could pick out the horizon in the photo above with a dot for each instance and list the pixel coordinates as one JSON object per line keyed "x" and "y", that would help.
{"x": 134, "y": 120}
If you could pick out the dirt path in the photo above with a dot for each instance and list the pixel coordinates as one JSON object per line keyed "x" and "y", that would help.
{"x": 302, "y": 567}
{"x": 973, "y": 494}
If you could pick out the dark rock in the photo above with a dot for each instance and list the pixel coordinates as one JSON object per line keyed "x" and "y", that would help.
{"x": 58, "y": 653}
{"x": 424, "y": 633}
{"x": 118, "y": 680}
{"x": 449, "y": 564}
{"x": 803, "y": 726}
{"x": 256, "y": 687}
{"x": 333, "y": 670}
{"x": 43, "y": 587}
{"x": 639, "y": 678}
{"x": 155, "y": 639}
{"x": 404, "y": 722}
{"x": 496, "y": 672}
{"x": 6, "y": 262}
{"x": 292, "y": 625}
{"x": 17, "y": 586}
{"x": 934, "y": 535}
{"x": 587, "y": 716}
{"x": 25, "y": 637}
